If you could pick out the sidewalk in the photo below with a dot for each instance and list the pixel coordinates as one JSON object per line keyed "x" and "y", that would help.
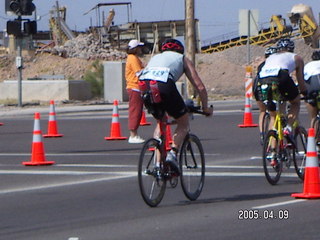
{"x": 12, "y": 111}
{"x": 61, "y": 108}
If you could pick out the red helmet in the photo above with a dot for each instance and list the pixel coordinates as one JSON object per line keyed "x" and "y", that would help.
{"x": 172, "y": 45}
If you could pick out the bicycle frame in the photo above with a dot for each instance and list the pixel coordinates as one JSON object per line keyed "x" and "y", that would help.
{"x": 162, "y": 125}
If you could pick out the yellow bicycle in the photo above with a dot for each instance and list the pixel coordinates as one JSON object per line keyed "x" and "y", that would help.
{"x": 280, "y": 150}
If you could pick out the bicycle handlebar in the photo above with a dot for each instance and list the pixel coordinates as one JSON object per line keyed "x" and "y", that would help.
{"x": 197, "y": 109}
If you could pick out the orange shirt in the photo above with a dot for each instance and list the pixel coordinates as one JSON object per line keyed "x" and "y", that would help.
{"x": 133, "y": 65}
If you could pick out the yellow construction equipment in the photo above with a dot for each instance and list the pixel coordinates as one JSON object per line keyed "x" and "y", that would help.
{"x": 58, "y": 27}
{"x": 300, "y": 16}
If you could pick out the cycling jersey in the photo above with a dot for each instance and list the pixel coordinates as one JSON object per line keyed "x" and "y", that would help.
{"x": 311, "y": 69}
{"x": 277, "y": 62}
{"x": 312, "y": 80}
{"x": 166, "y": 68}
{"x": 166, "y": 65}
{"x": 278, "y": 67}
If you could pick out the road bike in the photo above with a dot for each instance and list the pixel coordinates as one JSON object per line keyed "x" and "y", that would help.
{"x": 154, "y": 172}
{"x": 314, "y": 100}
{"x": 281, "y": 150}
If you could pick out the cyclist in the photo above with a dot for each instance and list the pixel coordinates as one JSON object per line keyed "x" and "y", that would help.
{"x": 312, "y": 79}
{"x": 257, "y": 91}
{"x": 278, "y": 68}
{"x": 165, "y": 69}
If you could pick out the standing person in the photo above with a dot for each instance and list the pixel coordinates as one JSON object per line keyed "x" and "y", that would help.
{"x": 312, "y": 78}
{"x": 133, "y": 67}
{"x": 165, "y": 69}
{"x": 278, "y": 68}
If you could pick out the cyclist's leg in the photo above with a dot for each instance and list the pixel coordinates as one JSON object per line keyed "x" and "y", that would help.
{"x": 294, "y": 110}
{"x": 272, "y": 119}
{"x": 290, "y": 92}
{"x": 262, "y": 108}
{"x": 181, "y": 131}
{"x": 312, "y": 110}
{"x": 173, "y": 104}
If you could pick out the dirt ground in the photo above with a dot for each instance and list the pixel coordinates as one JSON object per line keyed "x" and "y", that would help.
{"x": 223, "y": 73}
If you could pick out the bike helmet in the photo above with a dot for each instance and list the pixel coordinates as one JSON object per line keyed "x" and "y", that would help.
{"x": 285, "y": 44}
{"x": 172, "y": 45}
{"x": 316, "y": 55}
{"x": 269, "y": 51}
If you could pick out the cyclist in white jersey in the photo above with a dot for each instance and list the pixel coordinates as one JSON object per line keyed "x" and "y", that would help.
{"x": 278, "y": 67}
{"x": 256, "y": 89}
{"x": 166, "y": 68}
{"x": 312, "y": 78}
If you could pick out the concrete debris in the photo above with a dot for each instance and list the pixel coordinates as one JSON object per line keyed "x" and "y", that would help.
{"x": 85, "y": 46}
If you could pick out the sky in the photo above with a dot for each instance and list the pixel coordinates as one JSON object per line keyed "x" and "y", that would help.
{"x": 216, "y": 17}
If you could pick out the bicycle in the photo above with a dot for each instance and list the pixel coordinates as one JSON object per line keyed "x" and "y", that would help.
{"x": 154, "y": 172}
{"x": 280, "y": 149}
{"x": 314, "y": 100}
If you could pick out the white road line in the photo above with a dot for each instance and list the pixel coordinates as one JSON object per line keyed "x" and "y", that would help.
{"x": 245, "y": 174}
{"x": 234, "y": 166}
{"x": 279, "y": 204}
{"x": 64, "y": 184}
{"x": 134, "y": 173}
{"x": 137, "y": 153}
{"x": 53, "y": 172}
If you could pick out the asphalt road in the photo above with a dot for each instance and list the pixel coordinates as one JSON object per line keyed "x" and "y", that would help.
{"x": 91, "y": 192}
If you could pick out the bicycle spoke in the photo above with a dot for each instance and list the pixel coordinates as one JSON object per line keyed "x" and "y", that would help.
{"x": 272, "y": 155}
{"x": 192, "y": 165}
{"x": 151, "y": 181}
{"x": 301, "y": 136}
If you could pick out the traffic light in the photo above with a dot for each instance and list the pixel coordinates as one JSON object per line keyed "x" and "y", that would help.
{"x": 20, "y": 7}
{"x": 14, "y": 28}
{"x": 30, "y": 27}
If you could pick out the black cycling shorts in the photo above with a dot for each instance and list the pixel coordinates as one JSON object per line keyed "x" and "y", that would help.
{"x": 171, "y": 100}
{"x": 287, "y": 88}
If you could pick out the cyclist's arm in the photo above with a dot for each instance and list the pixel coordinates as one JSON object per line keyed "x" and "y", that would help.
{"x": 300, "y": 74}
{"x": 195, "y": 80}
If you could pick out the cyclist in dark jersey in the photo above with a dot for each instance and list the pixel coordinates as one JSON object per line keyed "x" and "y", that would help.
{"x": 166, "y": 68}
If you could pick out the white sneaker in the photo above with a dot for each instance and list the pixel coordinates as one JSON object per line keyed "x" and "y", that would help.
{"x": 136, "y": 139}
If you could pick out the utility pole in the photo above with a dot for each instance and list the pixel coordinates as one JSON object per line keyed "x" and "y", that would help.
{"x": 190, "y": 40}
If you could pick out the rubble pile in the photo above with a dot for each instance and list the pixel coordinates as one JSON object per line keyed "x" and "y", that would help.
{"x": 85, "y": 46}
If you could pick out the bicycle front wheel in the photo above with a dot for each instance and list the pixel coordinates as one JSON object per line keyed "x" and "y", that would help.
{"x": 192, "y": 165}
{"x": 300, "y": 137}
{"x": 151, "y": 178}
{"x": 271, "y": 158}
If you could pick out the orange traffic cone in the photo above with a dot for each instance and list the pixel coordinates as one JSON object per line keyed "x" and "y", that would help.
{"x": 115, "y": 130}
{"x": 143, "y": 121}
{"x": 247, "y": 118}
{"x": 52, "y": 123}
{"x": 311, "y": 187}
{"x": 38, "y": 155}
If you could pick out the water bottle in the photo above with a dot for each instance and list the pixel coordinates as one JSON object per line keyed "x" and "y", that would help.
{"x": 264, "y": 92}
{"x": 155, "y": 91}
{"x": 142, "y": 86}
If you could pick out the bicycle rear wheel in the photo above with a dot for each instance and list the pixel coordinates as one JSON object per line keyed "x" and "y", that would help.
{"x": 192, "y": 165}
{"x": 300, "y": 137}
{"x": 316, "y": 127}
{"x": 265, "y": 124}
{"x": 151, "y": 178}
{"x": 271, "y": 158}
